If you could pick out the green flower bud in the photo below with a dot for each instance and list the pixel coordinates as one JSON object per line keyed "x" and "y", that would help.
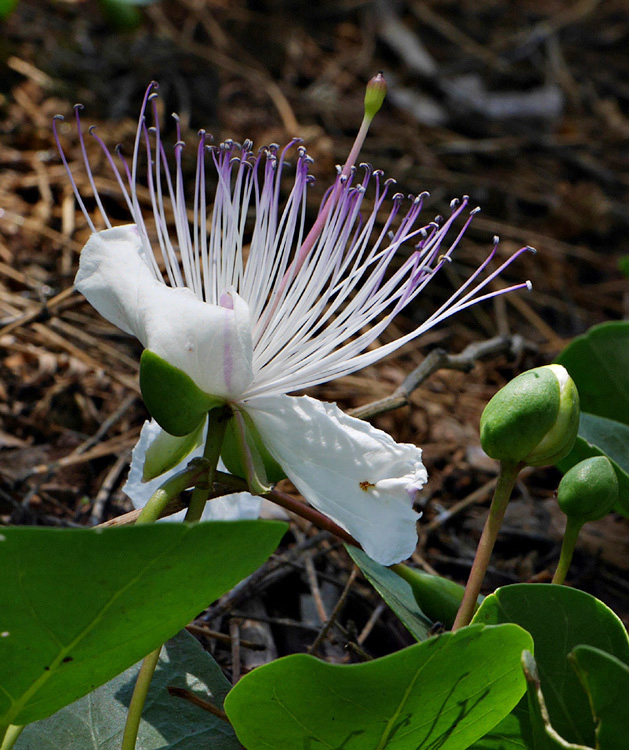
{"x": 438, "y": 598}
{"x": 589, "y": 490}
{"x": 374, "y": 95}
{"x": 534, "y": 419}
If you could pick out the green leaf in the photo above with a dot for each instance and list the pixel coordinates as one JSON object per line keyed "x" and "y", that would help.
{"x": 559, "y": 618}
{"x": 443, "y": 693}
{"x": 599, "y": 436}
{"x": 606, "y": 680}
{"x": 395, "y": 592}
{"x": 511, "y": 734}
{"x": 173, "y": 399}
{"x": 7, "y": 7}
{"x": 598, "y": 362}
{"x": 96, "y": 721}
{"x": 80, "y": 606}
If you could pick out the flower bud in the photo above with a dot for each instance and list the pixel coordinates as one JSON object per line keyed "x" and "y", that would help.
{"x": 438, "y": 598}
{"x": 589, "y": 490}
{"x": 374, "y": 95}
{"x": 534, "y": 419}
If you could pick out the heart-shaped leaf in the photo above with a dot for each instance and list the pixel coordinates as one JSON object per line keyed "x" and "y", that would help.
{"x": 512, "y": 733}
{"x": 445, "y": 692}
{"x": 80, "y": 606}
{"x": 96, "y": 721}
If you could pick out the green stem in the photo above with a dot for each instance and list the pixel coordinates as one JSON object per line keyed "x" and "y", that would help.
{"x": 573, "y": 527}
{"x": 201, "y": 473}
{"x": 502, "y": 493}
{"x": 194, "y": 472}
{"x": 10, "y": 736}
{"x": 216, "y": 425}
{"x": 138, "y": 699}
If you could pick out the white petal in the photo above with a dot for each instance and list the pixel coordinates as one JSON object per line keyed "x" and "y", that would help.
{"x": 234, "y": 507}
{"x": 210, "y": 343}
{"x": 239, "y": 506}
{"x": 112, "y": 269}
{"x": 354, "y": 473}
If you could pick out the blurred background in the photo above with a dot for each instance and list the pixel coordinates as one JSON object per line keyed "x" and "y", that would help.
{"x": 522, "y": 105}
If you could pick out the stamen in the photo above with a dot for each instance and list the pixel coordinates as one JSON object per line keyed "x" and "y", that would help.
{"x": 77, "y": 195}
{"x": 157, "y": 199}
{"x": 318, "y": 299}
{"x": 77, "y": 109}
{"x": 114, "y": 169}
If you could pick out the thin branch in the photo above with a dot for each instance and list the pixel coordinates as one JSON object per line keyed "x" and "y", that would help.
{"x": 128, "y": 519}
{"x": 188, "y": 695}
{"x": 235, "y": 484}
{"x": 335, "y": 612}
{"x": 439, "y": 359}
{"x": 41, "y": 312}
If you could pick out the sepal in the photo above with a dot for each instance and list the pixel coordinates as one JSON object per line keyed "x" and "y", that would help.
{"x": 235, "y": 460}
{"x": 438, "y": 598}
{"x": 167, "y": 451}
{"x": 174, "y": 401}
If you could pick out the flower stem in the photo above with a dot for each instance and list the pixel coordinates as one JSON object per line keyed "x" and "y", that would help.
{"x": 506, "y": 479}
{"x": 216, "y": 424}
{"x": 11, "y": 733}
{"x": 283, "y": 499}
{"x": 571, "y": 533}
{"x": 195, "y": 471}
{"x": 138, "y": 699}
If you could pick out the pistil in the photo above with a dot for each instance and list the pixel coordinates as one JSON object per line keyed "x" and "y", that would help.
{"x": 374, "y": 96}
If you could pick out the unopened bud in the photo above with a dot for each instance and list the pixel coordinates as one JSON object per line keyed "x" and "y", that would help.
{"x": 438, "y": 598}
{"x": 374, "y": 95}
{"x": 589, "y": 490}
{"x": 534, "y": 419}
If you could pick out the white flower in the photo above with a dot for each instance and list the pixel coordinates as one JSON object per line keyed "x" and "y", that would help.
{"x": 253, "y": 313}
